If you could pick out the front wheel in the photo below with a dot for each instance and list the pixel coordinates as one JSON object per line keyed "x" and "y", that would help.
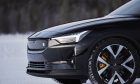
{"x": 113, "y": 61}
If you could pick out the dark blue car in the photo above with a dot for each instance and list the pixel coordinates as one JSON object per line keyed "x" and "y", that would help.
{"x": 105, "y": 50}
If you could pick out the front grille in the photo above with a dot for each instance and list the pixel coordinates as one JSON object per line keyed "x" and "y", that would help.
{"x": 36, "y": 64}
{"x": 37, "y": 44}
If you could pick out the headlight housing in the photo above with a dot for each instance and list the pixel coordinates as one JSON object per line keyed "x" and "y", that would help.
{"x": 72, "y": 38}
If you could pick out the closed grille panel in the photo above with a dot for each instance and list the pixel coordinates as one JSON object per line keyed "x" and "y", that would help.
{"x": 37, "y": 44}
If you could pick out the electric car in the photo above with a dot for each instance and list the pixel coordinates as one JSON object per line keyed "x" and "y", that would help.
{"x": 105, "y": 50}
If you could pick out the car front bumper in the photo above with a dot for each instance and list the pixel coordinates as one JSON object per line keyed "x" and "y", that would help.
{"x": 64, "y": 73}
{"x": 53, "y": 62}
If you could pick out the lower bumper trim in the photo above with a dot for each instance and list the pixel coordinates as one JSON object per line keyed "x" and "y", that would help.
{"x": 63, "y": 74}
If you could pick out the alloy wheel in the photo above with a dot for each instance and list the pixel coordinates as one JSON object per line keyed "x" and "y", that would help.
{"x": 115, "y": 64}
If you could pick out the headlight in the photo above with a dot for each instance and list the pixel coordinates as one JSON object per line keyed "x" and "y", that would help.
{"x": 72, "y": 38}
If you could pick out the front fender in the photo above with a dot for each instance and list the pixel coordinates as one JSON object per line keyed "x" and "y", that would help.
{"x": 95, "y": 36}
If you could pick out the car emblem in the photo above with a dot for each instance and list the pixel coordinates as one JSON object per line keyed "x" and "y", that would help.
{"x": 43, "y": 44}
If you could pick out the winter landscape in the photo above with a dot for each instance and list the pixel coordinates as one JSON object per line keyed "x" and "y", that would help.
{"x": 13, "y": 62}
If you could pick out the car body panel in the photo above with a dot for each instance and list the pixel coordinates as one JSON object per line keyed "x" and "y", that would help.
{"x": 80, "y": 26}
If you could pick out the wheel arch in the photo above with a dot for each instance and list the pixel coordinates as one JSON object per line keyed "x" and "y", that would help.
{"x": 96, "y": 36}
{"x": 129, "y": 39}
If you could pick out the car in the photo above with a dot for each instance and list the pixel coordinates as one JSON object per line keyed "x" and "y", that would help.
{"x": 105, "y": 50}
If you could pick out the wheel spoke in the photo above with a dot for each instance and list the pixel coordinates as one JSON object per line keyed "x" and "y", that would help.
{"x": 110, "y": 50}
{"x": 127, "y": 67}
{"x": 112, "y": 79}
{"x": 128, "y": 60}
{"x": 120, "y": 78}
{"x": 103, "y": 61}
{"x": 118, "y": 51}
{"x": 102, "y": 70}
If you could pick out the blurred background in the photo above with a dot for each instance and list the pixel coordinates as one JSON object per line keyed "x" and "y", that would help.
{"x": 33, "y": 15}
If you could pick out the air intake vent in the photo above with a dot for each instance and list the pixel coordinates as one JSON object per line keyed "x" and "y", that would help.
{"x": 36, "y": 64}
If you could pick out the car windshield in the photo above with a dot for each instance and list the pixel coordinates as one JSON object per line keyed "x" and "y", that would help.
{"x": 130, "y": 8}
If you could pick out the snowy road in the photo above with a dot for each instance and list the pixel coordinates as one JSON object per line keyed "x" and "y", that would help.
{"x": 13, "y": 62}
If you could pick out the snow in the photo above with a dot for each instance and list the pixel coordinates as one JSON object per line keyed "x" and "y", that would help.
{"x": 13, "y": 62}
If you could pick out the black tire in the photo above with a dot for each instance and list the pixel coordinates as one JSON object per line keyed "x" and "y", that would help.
{"x": 106, "y": 67}
{"x": 69, "y": 81}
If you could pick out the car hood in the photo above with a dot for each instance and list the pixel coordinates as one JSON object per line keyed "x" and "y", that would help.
{"x": 74, "y": 26}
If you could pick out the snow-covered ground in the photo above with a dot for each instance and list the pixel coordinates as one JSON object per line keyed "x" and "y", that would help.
{"x": 13, "y": 62}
